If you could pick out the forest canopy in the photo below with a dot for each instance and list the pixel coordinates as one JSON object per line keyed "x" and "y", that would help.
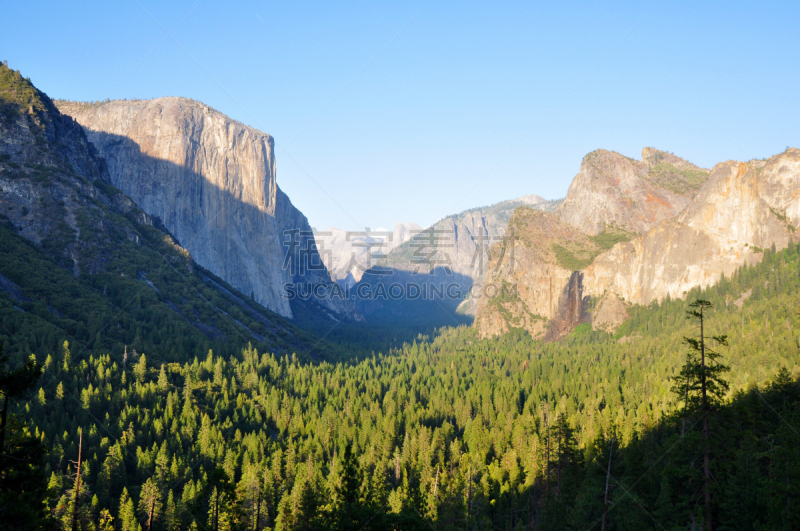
{"x": 446, "y": 432}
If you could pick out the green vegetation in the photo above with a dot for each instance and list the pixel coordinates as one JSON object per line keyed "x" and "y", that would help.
{"x": 508, "y": 293}
{"x": 783, "y": 218}
{"x": 154, "y": 411}
{"x": 144, "y": 298}
{"x": 17, "y": 94}
{"x": 702, "y": 389}
{"x": 22, "y": 486}
{"x": 574, "y": 257}
{"x": 450, "y": 432}
{"x": 85, "y": 104}
{"x": 609, "y": 238}
{"x": 678, "y": 180}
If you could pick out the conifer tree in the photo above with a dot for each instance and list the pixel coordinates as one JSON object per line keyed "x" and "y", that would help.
{"x": 150, "y": 503}
{"x": 13, "y": 386}
{"x": 350, "y": 480}
{"x": 163, "y": 382}
{"x": 127, "y": 513}
{"x": 172, "y": 516}
{"x": 378, "y": 491}
{"x": 702, "y": 388}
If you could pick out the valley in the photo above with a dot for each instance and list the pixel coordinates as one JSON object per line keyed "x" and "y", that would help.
{"x": 539, "y": 379}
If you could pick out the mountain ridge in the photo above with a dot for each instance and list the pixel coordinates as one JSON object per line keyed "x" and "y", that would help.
{"x": 740, "y": 211}
{"x": 617, "y": 193}
{"x": 81, "y": 261}
{"x": 653, "y": 249}
{"x": 212, "y": 181}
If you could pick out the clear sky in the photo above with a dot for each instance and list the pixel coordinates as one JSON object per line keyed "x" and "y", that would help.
{"x": 409, "y": 111}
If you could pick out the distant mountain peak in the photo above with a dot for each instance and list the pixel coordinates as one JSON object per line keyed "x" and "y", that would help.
{"x": 530, "y": 199}
{"x": 349, "y": 254}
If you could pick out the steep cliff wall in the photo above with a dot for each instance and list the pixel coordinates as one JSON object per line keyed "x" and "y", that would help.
{"x": 79, "y": 261}
{"x": 212, "y": 182}
{"x": 528, "y": 284}
{"x": 740, "y": 210}
{"x": 703, "y": 226}
{"x": 616, "y": 193}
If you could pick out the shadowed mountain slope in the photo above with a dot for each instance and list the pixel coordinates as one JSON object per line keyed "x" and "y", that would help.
{"x": 212, "y": 182}
{"x": 80, "y": 261}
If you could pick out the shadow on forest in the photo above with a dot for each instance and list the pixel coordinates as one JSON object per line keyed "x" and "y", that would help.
{"x": 655, "y": 479}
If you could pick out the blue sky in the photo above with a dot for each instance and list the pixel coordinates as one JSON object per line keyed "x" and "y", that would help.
{"x": 409, "y": 111}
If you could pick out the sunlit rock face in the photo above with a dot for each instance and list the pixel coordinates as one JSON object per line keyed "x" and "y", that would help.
{"x": 742, "y": 209}
{"x": 212, "y": 182}
{"x": 685, "y": 227}
{"x": 526, "y": 285}
{"x": 613, "y": 192}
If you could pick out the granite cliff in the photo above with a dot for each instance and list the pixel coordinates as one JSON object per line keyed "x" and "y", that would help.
{"x": 742, "y": 209}
{"x": 80, "y": 261}
{"x": 650, "y": 229}
{"x": 614, "y": 193}
{"x": 212, "y": 182}
{"x": 529, "y": 284}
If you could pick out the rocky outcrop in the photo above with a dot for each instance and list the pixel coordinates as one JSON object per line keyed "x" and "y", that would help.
{"x": 528, "y": 285}
{"x": 88, "y": 263}
{"x": 696, "y": 228}
{"x": 608, "y": 313}
{"x": 212, "y": 182}
{"x": 614, "y": 193}
{"x": 46, "y": 170}
{"x": 742, "y": 209}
